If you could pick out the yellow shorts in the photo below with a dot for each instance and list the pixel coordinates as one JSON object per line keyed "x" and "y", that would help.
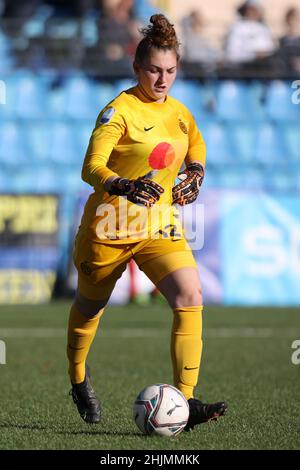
{"x": 100, "y": 265}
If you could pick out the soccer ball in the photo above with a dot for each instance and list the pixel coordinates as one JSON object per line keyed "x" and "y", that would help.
{"x": 161, "y": 409}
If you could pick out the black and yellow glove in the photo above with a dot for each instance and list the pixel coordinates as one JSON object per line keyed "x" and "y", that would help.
{"x": 142, "y": 191}
{"x": 187, "y": 191}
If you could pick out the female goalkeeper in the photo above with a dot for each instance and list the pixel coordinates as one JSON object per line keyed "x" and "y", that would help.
{"x": 140, "y": 141}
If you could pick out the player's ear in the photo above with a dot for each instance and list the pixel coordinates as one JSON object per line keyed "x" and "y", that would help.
{"x": 136, "y": 68}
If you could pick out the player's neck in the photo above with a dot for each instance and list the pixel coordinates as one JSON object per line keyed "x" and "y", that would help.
{"x": 146, "y": 97}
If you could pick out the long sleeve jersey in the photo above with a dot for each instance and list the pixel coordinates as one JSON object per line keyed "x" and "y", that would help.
{"x": 132, "y": 137}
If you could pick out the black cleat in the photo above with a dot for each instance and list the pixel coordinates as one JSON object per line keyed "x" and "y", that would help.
{"x": 86, "y": 401}
{"x": 202, "y": 412}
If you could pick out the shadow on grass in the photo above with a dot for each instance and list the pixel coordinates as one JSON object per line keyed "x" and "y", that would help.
{"x": 39, "y": 427}
{"x": 33, "y": 427}
{"x": 101, "y": 433}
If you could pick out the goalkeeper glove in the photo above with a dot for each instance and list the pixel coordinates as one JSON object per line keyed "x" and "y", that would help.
{"x": 142, "y": 191}
{"x": 191, "y": 179}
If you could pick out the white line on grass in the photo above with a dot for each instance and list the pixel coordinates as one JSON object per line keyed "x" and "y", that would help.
{"x": 153, "y": 332}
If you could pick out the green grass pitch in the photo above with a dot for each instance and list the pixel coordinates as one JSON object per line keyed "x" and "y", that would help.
{"x": 246, "y": 361}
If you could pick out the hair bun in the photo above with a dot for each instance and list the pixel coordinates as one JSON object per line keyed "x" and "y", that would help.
{"x": 161, "y": 33}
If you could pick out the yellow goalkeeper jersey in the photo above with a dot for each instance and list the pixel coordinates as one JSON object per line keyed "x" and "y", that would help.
{"x": 132, "y": 137}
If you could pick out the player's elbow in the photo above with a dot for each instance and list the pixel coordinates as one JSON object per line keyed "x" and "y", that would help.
{"x": 88, "y": 168}
{"x": 85, "y": 174}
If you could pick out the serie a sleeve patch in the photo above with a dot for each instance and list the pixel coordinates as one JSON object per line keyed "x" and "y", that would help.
{"x": 107, "y": 115}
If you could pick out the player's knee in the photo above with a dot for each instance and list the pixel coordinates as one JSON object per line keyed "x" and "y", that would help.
{"x": 89, "y": 308}
{"x": 188, "y": 298}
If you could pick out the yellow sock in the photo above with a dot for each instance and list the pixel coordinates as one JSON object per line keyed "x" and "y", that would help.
{"x": 81, "y": 333}
{"x": 186, "y": 348}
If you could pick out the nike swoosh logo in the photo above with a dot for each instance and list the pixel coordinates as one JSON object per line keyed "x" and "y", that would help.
{"x": 191, "y": 368}
{"x": 148, "y": 128}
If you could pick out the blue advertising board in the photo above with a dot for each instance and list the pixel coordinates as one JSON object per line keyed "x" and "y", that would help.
{"x": 29, "y": 248}
{"x": 208, "y": 257}
{"x": 247, "y": 246}
{"x": 260, "y": 248}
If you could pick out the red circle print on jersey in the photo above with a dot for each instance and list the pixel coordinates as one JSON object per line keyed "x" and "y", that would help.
{"x": 161, "y": 156}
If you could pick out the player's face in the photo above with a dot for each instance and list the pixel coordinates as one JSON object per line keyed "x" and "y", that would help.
{"x": 157, "y": 73}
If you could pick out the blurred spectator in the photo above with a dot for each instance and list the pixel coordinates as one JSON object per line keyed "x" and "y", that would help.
{"x": 144, "y": 9}
{"x": 25, "y": 9}
{"x": 118, "y": 36}
{"x": 21, "y": 9}
{"x": 249, "y": 38}
{"x": 7, "y": 53}
{"x": 72, "y": 8}
{"x": 197, "y": 48}
{"x": 290, "y": 42}
{"x": 6, "y": 57}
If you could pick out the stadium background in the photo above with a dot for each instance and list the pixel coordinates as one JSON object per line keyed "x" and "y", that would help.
{"x": 58, "y": 71}
{"x": 54, "y": 79}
